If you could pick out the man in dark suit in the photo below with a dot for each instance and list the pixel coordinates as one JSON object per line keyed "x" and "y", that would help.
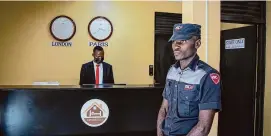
{"x": 96, "y": 71}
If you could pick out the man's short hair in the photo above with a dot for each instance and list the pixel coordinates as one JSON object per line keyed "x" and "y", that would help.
{"x": 98, "y": 48}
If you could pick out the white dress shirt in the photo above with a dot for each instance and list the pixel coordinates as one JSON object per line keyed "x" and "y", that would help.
{"x": 100, "y": 72}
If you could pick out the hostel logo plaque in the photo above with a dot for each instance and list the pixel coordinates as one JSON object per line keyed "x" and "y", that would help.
{"x": 94, "y": 113}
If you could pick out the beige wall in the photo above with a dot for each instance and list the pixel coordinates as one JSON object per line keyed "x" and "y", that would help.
{"x": 267, "y": 99}
{"x": 26, "y": 54}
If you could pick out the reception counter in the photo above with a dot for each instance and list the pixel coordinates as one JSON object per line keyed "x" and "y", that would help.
{"x": 104, "y": 110}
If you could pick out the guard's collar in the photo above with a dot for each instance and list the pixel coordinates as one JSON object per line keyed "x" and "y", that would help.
{"x": 192, "y": 65}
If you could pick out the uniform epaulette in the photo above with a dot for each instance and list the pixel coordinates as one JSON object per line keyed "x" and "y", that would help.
{"x": 206, "y": 67}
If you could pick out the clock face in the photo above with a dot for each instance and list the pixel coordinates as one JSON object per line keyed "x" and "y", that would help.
{"x": 100, "y": 28}
{"x": 62, "y": 28}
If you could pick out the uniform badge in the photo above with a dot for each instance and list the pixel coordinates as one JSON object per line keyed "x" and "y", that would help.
{"x": 178, "y": 28}
{"x": 188, "y": 87}
{"x": 215, "y": 78}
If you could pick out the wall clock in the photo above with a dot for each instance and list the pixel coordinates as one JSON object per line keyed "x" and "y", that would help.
{"x": 62, "y": 28}
{"x": 100, "y": 28}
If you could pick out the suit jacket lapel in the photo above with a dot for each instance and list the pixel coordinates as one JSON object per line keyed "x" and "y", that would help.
{"x": 91, "y": 70}
{"x": 104, "y": 72}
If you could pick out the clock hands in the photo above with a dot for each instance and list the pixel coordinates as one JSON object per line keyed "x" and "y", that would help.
{"x": 96, "y": 31}
{"x": 99, "y": 30}
{"x": 102, "y": 29}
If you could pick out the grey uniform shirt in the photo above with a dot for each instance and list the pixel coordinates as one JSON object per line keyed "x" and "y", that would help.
{"x": 188, "y": 91}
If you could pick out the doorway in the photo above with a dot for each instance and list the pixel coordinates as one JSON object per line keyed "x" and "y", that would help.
{"x": 163, "y": 54}
{"x": 163, "y": 57}
{"x": 238, "y": 72}
{"x": 253, "y": 13}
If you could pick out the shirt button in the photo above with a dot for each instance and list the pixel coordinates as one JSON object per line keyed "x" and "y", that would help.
{"x": 174, "y": 99}
{"x": 186, "y": 97}
{"x": 175, "y": 85}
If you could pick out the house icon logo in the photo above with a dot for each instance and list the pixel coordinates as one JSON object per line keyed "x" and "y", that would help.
{"x": 94, "y": 113}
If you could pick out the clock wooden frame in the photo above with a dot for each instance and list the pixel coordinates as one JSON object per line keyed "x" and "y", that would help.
{"x": 111, "y": 25}
{"x": 67, "y": 39}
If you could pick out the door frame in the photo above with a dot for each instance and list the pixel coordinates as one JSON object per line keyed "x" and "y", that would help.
{"x": 260, "y": 59}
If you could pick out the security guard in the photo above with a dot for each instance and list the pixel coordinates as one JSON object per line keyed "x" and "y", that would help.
{"x": 192, "y": 91}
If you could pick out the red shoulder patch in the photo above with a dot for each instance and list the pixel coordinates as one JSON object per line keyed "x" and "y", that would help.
{"x": 215, "y": 78}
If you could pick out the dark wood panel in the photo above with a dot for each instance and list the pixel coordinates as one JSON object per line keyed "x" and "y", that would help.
{"x": 164, "y": 22}
{"x": 242, "y": 11}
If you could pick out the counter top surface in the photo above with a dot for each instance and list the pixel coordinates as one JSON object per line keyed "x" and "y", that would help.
{"x": 77, "y": 87}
